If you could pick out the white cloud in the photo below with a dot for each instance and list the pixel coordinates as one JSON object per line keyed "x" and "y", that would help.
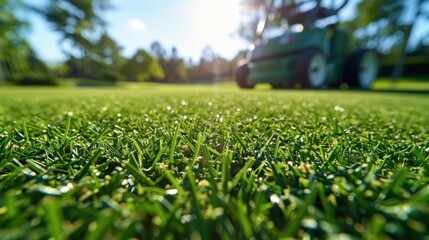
{"x": 137, "y": 24}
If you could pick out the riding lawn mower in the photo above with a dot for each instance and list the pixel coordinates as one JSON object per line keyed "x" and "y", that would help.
{"x": 309, "y": 51}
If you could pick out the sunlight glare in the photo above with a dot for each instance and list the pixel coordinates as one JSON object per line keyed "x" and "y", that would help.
{"x": 216, "y": 19}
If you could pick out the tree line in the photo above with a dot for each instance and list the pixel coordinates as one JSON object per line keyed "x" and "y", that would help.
{"x": 94, "y": 53}
{"x": 155, "y": 64}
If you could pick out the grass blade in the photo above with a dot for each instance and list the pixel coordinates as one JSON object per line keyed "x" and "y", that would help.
{"x": 24, "y": 128}
{"x": 139, "y": 175}
{"x": 85, "y": 168}
{"x": 54, "y": 218}
{"x": 293, "y": 226}
{"x": 173, "y": 146}
{"x": 139, "y": 153}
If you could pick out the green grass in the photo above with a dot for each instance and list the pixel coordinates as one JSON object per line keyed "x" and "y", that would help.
{"x": 420, "y": 83}
{"x": 153, "y": 161}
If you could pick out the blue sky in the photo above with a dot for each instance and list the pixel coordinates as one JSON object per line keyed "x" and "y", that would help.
{"x": 189, "y": 25}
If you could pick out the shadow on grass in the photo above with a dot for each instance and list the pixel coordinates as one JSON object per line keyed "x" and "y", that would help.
{"x": 405, "y": 91}
{"x": 356, "y": 90}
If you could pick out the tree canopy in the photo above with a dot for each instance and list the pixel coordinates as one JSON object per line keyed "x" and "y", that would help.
{"x": 143, "y": 67}
{"x": 79, "y": 21}
{"x": 16, "y": 55}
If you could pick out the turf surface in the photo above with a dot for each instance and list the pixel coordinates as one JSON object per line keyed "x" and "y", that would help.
{"x": 212, "y": 162}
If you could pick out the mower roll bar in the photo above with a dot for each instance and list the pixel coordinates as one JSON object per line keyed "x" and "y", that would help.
{"x": 291, "y": 13}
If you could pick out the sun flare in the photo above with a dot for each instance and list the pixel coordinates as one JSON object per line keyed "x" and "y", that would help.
{"x": 216, "y": 19}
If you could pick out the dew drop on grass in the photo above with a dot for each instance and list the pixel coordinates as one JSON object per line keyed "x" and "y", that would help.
{"x": 309, "y": 223}
{"x": 28, "y": 172}
{"x": 186, "y": 218}
{"x": 130, "y": 182}
{"x": 171, "y": 192}
{"x": 275, "y": 199}
{"x": 67, "y": 188}
{"x": 124, "y": 182}
{"x": 217, "y": 212}
{"x": 339, "y": 109}
{"x": 48, "y": 190}
{"x": 96, "y": 172}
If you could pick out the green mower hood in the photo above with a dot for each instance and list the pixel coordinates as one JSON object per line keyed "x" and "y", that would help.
{"x": 290, "y": 43}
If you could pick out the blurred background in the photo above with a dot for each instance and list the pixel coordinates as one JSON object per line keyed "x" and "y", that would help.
{"x": 102, "y": 42}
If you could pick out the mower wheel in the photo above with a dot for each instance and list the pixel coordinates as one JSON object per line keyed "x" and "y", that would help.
{"x": 361, "y": 68}
{"x": 241, "y": 75}
{"x": 311, "y": 69}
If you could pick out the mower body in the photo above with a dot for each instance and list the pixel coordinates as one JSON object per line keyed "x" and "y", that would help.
{"x": 307, "y": 56}
{"x": 274, "y": 60}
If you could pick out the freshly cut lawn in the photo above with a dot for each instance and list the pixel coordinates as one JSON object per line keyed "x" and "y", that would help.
{"x": 201, "y": 162}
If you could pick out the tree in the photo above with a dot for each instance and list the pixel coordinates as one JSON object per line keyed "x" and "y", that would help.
{"x": 106, "y": 54}
{"x": 175, "y": 68}
{"x": 160, "y": 54}
{"x": 17, "y": 59}
{"x": 211, "y": 67}
{"x": 387, "y": 25}
{"x": 103, "y": 62}
{"x": 143, "y": 67}
{"x": 95, "y": 54}
{"x": 104, "y": 58}
{"x": 13, "y": 46}
{"x": 400, "y": 65}
{"x": 253, "y": 11}
{"x": 79, "y": 21}
{"x": 376, "y": 23}
{"x": 158, "y": 51}
{"x": 206, "y": 67}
